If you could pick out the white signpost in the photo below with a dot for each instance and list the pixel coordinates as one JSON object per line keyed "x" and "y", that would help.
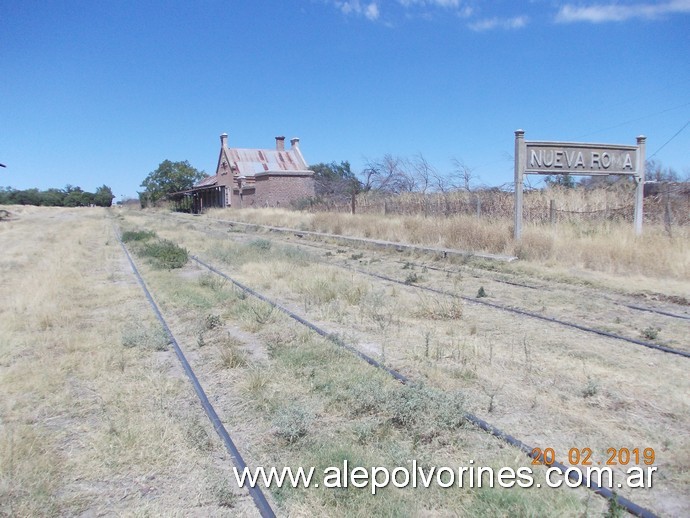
{"x": 573, "y": 158}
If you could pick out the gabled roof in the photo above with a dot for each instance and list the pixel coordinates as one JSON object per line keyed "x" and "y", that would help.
{"x": 253, "y": 162}
{"x": 250, "y": 162}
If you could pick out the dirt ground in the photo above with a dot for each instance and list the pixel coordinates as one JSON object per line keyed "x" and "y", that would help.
{"x": 99, "y": 419}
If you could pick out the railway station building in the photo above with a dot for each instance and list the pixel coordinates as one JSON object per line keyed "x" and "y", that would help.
{"x": 252, "y": 178}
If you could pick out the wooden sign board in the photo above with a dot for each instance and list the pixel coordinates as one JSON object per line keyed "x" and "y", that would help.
{"x": 573, "y": 158}
{"x": 579, "y": 159}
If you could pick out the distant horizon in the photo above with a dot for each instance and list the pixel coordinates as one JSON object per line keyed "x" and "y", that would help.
{"x": 101, "y": 94}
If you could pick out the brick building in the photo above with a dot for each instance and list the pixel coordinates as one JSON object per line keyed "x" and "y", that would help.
{"x": 255, "y": 178}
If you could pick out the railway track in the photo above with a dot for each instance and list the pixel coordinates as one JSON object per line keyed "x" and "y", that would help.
{"x": 630, "y": 506}
{"x": 495, "y": 279}
{"x": 502, "y": 306}
{"x": 280, "y": 231}
{"x": 257, "y": 495}
{"x": 365, "y": 355}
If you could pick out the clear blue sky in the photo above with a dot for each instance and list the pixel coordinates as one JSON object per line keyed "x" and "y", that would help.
{"x": 100, "y": 92}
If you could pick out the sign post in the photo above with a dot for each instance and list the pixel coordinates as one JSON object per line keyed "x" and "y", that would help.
{"x": 519, "y": 172}
{"x": 639, "y": 179}
{"x": 573, "y": 158}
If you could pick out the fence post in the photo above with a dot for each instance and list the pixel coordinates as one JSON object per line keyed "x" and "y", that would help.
{"x": 479, "y": 207}
{"x": 552, "y": 211}
{"x": 353, "y": 202}
{"x": 667, "y": 208}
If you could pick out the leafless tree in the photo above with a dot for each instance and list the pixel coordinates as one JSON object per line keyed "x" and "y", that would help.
{"x": 655, "y": 170}
{"x": 424, "y": 173}
{"x": 460, "y": 178}
{"x": 462, "y": 175}
{"x": 389, "y": 174}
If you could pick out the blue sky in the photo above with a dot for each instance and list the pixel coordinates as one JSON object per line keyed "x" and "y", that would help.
{"x": 101, "y": 92}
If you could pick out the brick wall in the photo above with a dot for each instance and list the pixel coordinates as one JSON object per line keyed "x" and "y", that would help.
{"x": 274, "y": 190}
{"x": 281, "y": 190}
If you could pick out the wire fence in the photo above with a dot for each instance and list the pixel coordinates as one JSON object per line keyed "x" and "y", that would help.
{"x": 667, "y": 207}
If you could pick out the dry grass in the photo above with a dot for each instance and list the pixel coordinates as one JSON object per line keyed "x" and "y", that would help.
{"x": 509, "y": 369}
{"x": 91, "y": 419}
{"x": 315, "y": 405}
{"x": 608, "y": 247}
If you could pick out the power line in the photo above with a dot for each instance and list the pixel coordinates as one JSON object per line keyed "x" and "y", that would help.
{"x": 634, "y": 120}
{"x": 669, "y": 140}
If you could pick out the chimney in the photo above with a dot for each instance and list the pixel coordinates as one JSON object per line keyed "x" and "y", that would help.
{"x": 280, "y": 143}
{"x": 294, "y": 142}
{"x": 224, "y": 140}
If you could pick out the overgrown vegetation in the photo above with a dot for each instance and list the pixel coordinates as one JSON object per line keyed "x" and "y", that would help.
{"x": 608, "y": 246}
{"x": 137, "y": 235}
{"x": 313, "y": 404}
{"x": 149, "y": 337}
{"x": 92, "y": 420}
{"x": 165, "y": 254}
{"x": 161, "y": 253}
{"x": 70, "y": 196}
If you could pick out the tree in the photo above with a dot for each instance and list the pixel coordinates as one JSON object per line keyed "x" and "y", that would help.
{"x": 53, "y": 198}
{"x": 655, "y": 171}
{"x": 70, "y": 196}
{"x": 460, "y": 178}
{"x": 7, "y": 195}
{"x": 462, "y": 174}
{"x": 76, "y": 197}
{"x": 562, "y": 180}
{"x": 390, "y": 175}
{"x": 167, "y": 178}
{"x": 27, "y": 197}
{"x": 423, "y": 172}
{"x": 103, "y": 197}
{"x": 334, "y": 180}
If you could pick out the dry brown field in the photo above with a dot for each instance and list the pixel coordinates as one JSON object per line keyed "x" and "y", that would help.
{"x": 98, "y": 417}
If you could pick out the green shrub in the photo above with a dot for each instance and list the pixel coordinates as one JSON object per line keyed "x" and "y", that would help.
{"x": 165, "y": 254}
{"x": 292, "y": 423}
{"x": 651, "y": 333}
{"x": 422, "y": 410}
{"x": 212, "y": 321}
{"x": 425, "y": 411}
{"x": 149, "y": 337}
{"x": 263, "y": 245}
{"x": 137, "y": 235}
{"x": 412, "y": 278}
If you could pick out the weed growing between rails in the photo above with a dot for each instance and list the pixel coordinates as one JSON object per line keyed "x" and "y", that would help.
{"x": 160, "y": 253}
{"x": 311, "y": 404}
{"x": 476, "y": 353}
{"x": 91, "y": 421}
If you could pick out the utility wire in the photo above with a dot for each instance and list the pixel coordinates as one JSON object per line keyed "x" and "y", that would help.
{"x": 635, "y": 120}
{"x": 669, "y": 140}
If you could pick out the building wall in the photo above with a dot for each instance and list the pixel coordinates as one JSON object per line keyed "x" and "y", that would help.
{"x": 273, "y": 190}
{"x": 248, "y": 198}
{"x": 281, "y": 190}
